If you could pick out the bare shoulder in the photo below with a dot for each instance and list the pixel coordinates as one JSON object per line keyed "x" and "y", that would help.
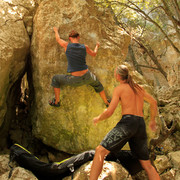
{"x": 118, "y": 89}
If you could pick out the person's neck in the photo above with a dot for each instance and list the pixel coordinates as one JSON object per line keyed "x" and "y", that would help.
{"x": 122, "y": 82}
{"x": 74, "y": 40}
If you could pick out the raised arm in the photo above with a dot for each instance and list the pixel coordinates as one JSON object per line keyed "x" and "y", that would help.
{"x": 91, "y": 52}
{"x": 110, "y": 110}
{"x": 59, "y": 40}
{"x": 153, "y": 110}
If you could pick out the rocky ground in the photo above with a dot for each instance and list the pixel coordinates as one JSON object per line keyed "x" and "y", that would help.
{"x": 167, "y": 152}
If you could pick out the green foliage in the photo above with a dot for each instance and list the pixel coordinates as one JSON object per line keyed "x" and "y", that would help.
{"x": 140, "y": 16}
{"x": 147, "y": 21}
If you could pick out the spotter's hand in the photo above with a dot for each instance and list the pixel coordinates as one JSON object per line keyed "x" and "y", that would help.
{"x": 95, "y": 120}
{"x": 55, "y": 29}
{"x": 152, "y": 126}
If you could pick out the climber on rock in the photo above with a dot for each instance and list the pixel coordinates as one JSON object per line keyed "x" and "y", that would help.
{"x": 131, "y": 128}
{"x": 77, "y": 67}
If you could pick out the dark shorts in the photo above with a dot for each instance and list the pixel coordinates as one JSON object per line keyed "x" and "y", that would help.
{"x": 130, "y": 129}
{"x": 69, "y": 80}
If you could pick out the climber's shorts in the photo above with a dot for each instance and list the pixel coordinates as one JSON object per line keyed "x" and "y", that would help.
{"x": 130, "y": 129}
{"x": 69, "y": 80}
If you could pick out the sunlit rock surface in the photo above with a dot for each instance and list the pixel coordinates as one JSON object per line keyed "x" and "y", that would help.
{"x": 111, "y": 171}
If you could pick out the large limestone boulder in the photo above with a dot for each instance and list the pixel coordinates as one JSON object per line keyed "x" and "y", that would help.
{"x": 70, "y": 128}
{"x": 110, "y": 171}
{"x": 14, "y": 47}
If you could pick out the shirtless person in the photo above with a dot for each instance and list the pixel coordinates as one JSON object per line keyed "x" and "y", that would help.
{"x": 79, "y": 73}
{"x": 131, "y": 128}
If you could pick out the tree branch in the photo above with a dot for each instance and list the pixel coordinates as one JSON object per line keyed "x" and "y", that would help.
{"x": 151, "y": 54}
{"x": 135, "y": 63}
{"x": 175, "y": 22}
{"x": 150, "y": 67}
{"x": 177, "y": 8}
{"x": 138, "y": 10}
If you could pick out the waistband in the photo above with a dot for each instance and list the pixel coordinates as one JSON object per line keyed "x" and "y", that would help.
{"x": 69, "y": 73}
{"x": 131, "y": 116}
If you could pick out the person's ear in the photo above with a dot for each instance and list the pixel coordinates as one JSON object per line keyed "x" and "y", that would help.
{"x": 118, "y": 77}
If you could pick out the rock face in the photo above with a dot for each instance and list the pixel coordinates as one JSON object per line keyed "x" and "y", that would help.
{"x": 175, "y": 158}
{"x": 168, "y": 166}
{"x": 168, "y": 102}
{"x": 70, "y": 128}
{"x": 14, "y": 47}
{"x": 162, "y": 163}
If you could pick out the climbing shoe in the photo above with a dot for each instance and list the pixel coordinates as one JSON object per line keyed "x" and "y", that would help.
{"x": 52, "y": 103}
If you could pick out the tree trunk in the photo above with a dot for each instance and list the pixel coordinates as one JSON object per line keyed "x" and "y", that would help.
{"x": 133, "y": 58}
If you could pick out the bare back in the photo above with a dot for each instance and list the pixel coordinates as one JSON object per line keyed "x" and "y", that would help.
{"x": 131, "y": 102}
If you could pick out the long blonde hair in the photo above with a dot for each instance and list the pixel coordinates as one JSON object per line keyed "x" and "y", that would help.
{"x": 123, "y": 71}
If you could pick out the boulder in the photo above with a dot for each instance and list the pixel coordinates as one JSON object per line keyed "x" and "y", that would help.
{"x": 162, "y": 163}
{"x": 14, "y": 48}
{"x": 168, "y": 145}
{"x": 4, "y": 159}
{"x": 70, "y": 128}
{"x": 111, "y": 171}
{"x": 141, "y": 175}
{"x": 175, "y": 158}
{"x": 19, "y": 174}
{"x": 169, "y": 175}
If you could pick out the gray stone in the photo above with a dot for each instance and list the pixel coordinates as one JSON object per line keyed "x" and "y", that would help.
{"x": 175, "y": 158}
{"x": 162, "y": 163}
{"x": 168, "y": 145}
{"x": 169, "y": 175}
